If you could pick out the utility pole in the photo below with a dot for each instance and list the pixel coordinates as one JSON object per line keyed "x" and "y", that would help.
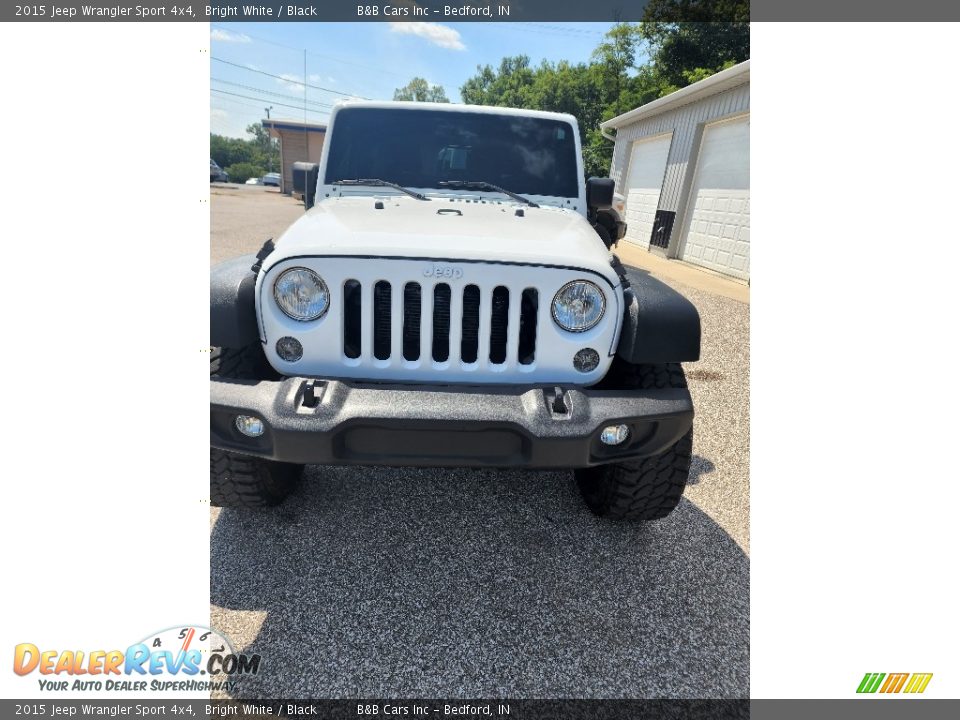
{"x": 269, "y": 143}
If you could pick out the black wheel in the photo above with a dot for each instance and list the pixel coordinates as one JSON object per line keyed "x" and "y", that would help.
{"x": 648, "y": 488}
{"x": 240, "y": 480}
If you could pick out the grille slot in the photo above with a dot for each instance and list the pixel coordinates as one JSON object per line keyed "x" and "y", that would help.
{"x": 441, "y": 322}
{"x": 352, "y": 314}
{"x": 527, "y": 349}
{"x": 381, "y": 320}
{"x": 411, "y": 321}
{"x": 499, "y": 324}
{"x": 470, "y": 324}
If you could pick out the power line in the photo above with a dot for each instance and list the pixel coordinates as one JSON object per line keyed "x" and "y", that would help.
{"x": 268, "y": 92}
{"x": 295, "y": 107}
{"x": 311, "y": 52}
{"x": 238, "y": 103}
{"x": 536, "y": 29}
{"x": 256, "y": 108}
{"x": 561, "y": 30}
{"x": 287, "y": 79}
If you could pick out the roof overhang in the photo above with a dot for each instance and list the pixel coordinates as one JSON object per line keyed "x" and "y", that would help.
{"x": 274, "y": 126}
{"x": 723, "y": 80}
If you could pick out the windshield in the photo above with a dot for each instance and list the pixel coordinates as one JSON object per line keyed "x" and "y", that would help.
{"x": 421, "y": 148}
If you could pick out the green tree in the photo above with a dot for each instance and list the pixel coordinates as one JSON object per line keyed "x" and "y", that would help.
{"x": 242, "y": 171}
{"x": 260, "y": 150}
{"x": 685, "y": 36}
{"x": 507, "y": 86}
{"x": 617, "y": 57}
{"x": 227, "y": 151}
{"x": 420, "y": 90}
{"x": 268, "y": 148}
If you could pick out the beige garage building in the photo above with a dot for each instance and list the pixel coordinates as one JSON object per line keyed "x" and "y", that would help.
{"x": 683, "y": 164}
{"x": 299, "y": 142}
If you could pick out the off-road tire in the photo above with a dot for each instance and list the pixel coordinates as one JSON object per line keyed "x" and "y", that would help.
{"x": 241, "y": 480}
{"x": 248, "y": 363}
{"x": 249, "y": 482}
{"x": 648, "y": 488}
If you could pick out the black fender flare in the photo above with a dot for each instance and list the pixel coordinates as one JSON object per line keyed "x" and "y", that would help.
{"x": 233, "y": 315}
{"x": 659, "y": 324}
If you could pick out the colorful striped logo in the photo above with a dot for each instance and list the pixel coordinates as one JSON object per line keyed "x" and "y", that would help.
{"x": 894, "y": 682}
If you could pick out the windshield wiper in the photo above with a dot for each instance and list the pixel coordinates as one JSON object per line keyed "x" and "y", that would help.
{"x": 376, "y": 182}
{"x": 483, "y": 185}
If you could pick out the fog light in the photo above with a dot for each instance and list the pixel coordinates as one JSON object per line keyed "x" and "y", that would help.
{"x": 249, "y": 425}
{"x": 289, "y": 349}
{"x": 586, "y": 360}
{"x": 614, "y": 434}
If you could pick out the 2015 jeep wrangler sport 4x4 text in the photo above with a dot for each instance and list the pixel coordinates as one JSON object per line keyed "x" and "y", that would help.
{"x": 449, "y": 299}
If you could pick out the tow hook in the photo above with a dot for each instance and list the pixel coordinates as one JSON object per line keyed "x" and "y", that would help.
{"x": 557, "y": 401}
{"x": 310, "y": 393}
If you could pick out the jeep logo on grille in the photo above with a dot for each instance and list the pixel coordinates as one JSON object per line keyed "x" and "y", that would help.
{"x": 439, "y": 270}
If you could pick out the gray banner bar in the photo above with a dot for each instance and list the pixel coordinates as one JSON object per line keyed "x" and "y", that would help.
{"x": 379, "y": 709}
{"x": 854, "y": 11}
{"x": 329, "y": 11}
{"x": 456, "y": 11}
{"x": 873, "y": 708}
{"x": 867, "y": 708}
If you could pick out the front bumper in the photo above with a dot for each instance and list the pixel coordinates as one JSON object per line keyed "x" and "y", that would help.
{"x": 331, "y": 422}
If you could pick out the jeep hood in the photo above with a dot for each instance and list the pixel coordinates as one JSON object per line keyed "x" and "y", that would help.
{"x": 444, "y": 229}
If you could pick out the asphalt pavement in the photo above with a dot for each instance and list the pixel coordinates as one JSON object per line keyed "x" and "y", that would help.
{"x": 459, "y": 583}
{"x": 416, "y": 583}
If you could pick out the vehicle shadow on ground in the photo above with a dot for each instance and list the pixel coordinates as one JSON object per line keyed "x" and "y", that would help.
{"x": 450, "y": 583}
{"x": 699, "y": 466}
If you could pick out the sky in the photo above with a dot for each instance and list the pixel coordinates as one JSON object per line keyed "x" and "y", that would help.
{"x": 256, "y": 65}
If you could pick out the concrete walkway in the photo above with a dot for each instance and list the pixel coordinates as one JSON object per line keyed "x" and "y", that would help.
{"x": 681, "y": 272}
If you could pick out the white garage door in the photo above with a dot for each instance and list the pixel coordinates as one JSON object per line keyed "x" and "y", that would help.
{"x": 648, "y": 161}
{"x": 718, "y": 230}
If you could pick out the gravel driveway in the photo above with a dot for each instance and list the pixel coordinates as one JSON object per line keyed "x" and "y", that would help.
{"x": 416, "y": 583}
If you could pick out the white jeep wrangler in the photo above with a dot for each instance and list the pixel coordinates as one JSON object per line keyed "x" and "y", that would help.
{"x": 448, "y": 301}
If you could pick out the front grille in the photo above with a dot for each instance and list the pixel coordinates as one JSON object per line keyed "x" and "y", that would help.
{"x": 479, "y": 315}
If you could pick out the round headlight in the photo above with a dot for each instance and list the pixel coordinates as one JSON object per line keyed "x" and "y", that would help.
{"x": 578, "y": 306}
{"x": 301, "y": 294}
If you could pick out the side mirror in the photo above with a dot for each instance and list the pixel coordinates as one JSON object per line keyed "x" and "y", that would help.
{"x": 305, "y": 175}
{"x": 600, "y": 193}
